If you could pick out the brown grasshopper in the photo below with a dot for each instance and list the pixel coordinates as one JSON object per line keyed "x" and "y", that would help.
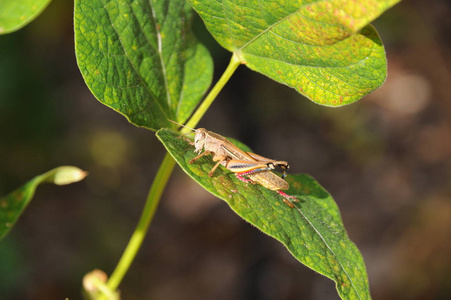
{"x": 257, "y": 168}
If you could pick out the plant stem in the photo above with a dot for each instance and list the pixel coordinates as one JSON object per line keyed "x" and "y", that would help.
{"x": 159, "y": 183}
{"x": 153, "y": 198}
{"x": 234, "y": 63}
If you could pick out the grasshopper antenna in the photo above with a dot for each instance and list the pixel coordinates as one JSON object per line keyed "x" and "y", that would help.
{"x": 182, "y": 125}
{"x": 194, "y": 130}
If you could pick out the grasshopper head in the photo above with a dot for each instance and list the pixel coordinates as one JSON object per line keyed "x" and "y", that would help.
{"x": 199, "y": 139}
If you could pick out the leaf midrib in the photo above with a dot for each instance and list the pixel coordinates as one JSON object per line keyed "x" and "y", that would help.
{"x": 133, "y": 65}
{"x": 218, "y": 194}
{"x": 274, "y": 24}
{"x": 330, "y": 249}
{"x": 160, "y": 55}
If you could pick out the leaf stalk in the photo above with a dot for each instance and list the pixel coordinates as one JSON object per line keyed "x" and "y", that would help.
{"x": 152, "y": 201}
{"x": 233, "y": 65}
{"x": 159, "y": 183}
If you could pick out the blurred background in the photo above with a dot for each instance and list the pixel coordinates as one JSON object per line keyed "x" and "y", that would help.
{"x": 386, "y": 160}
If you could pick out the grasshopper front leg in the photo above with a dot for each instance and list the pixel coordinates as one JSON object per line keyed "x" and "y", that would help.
{"x": 220, "y": 159}
{"x": 199, "y": 156}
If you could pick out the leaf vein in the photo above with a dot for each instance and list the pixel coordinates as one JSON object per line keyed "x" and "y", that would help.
{"x": 131, "y": 62}
{"x": 160, "y": 55}
{"x": 330, "y": 249}
{"x": 273, "y": 25}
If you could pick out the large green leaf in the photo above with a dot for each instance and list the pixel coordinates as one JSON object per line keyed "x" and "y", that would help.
{"x": 312, "y": 231}
{"x": 15, "y": 14}
{"x": 13, "y": 204}
{"x": 140, "y": 58}
{"x": 321, "y": 48}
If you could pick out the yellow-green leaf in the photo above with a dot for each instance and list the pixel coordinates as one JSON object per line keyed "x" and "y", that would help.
{"x": 324, "y": 49}
{"x": 13, "y": 204}
{"x": 15, "y": 14}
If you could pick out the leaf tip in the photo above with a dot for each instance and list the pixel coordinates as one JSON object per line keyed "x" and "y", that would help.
{"x": 68, "y": 174}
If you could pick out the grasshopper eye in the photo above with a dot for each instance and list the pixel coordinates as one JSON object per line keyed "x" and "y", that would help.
{"x": 203, "y": 136}
{"x": 200, "y": 136}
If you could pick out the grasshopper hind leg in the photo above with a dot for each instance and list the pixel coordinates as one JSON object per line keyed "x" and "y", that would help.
{"x": 240, "y": 177}
{"x": 288, "y": 199}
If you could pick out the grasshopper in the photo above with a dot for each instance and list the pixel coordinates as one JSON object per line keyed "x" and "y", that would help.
{"x": 257, "y": 168}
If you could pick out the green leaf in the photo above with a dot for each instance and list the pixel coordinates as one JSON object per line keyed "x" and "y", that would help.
{"x": 323, "y": 49}
{"x": 313, "y": 231}
{"x": 13, "y": 204}
{"x": 141, "y": 59}
{"x": 15, "y": 14}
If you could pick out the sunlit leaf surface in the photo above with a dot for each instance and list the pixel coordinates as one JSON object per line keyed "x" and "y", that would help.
{"x": 323, "y": 49}
{"x": 141, "y": 59}
{"x": 15, "y": 14}
{"x": 312, "y": 231}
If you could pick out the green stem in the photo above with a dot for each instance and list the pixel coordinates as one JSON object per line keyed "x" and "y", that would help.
{"x": 153, "y": 198}
{"x": 159, "y": 183}
{"x": 234, "y": 63}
